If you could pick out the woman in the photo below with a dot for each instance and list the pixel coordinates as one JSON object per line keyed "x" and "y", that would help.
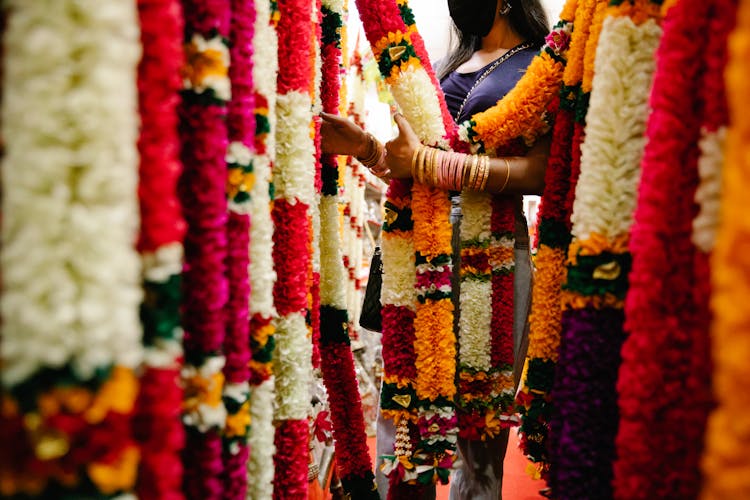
{"x": 496, "y": 41}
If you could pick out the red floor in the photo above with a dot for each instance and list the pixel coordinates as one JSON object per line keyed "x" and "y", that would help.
{"x": 517, "y": 485}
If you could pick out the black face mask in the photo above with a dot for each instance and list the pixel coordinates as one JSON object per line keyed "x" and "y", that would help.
{"x": 473, "y": 17}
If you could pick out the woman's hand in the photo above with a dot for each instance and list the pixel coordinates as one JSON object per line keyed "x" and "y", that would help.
{"x": 340, "y": 136}
{"x": 399, "y": 151}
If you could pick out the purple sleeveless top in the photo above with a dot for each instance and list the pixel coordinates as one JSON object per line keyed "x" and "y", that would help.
{"x": 490, "y": 90}
{"x": 493, "y": 88}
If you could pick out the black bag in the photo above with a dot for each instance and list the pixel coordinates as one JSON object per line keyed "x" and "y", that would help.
{"x": 370, "y": 316}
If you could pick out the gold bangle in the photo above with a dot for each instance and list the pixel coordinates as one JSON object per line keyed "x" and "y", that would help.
{"x": 507, "y": 175}
{"x": 486, "y": 173}
{"x": 420, "y": 163}
{"x": 414, "y": 161}
{"x": 473, "y": 172}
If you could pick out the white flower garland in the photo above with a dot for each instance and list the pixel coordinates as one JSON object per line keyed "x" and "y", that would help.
{"x": 708, "y": 193}
{"x": 265, "y": 67}
{"x": 332, "y": 291}
{"x": 294, "y": 376}
{"x": 260, "y": 467}
{"x": 416, "y": 96}
{"x": 398, "y": 271}
{"x": 70, "y": 173}
{"x": 262, "y": 274}
{"x": 615, "y": 129}
{"x": 295, "y": 180}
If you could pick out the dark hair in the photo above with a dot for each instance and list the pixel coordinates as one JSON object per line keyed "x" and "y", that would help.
{"x": 527, "y": 18}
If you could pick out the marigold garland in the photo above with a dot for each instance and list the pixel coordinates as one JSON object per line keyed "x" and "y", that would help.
{"x": 667, "y": 350}
{"x": 725, "y": 461}
{"x": 598, "y": 258}
{"x": 203, "y": 193}
{"x": 71, "y": 337}
{"x": 424, "y": 393}
{"x": 156, "y": 423}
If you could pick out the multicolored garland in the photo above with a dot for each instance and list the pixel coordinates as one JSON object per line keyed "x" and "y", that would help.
{"x": 157, "y": 425}
{"x": 203, "y": 192}
{"x": 262, "y": 274}
{"x": 665, "y": 383}
{"x": 241, "y": 179}
{"x": 574, "y": 99}
{"x": 598, "y": 257}
{"x": 294, "y": 180}
{"x": 418, "y": 338}
{"x": 71, "y": 336}
{"x": 726, "y": 460}
{"x": 352, "y": 457}
{"x": 533, "y": 399}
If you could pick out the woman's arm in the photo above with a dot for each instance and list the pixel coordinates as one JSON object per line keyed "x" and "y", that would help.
{"x": 344, "y": 137}
{"x": 517, "y": 175}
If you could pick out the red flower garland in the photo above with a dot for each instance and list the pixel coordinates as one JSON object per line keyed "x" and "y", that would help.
{"x": 292, "y": 237}
{"x": 664, "y": 383}
{"x": 156, "y": 423}
{"x": 352, "y": 457}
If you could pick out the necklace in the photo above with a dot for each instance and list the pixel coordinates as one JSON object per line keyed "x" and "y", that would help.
{"x": 487, "y": 73}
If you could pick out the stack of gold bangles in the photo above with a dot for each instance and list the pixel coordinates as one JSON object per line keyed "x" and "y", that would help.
{"x": 450, "y": 170}
{"x": 373, "y": 154}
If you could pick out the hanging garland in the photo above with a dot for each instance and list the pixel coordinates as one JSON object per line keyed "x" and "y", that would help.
{"x": 725, "y": 462}
{"x": 240, "y": 182}
{"x": 294, "y": 180}
{"x": 71, "y": 337}
{"x": 668, "y": 347}
{"x": 418, "y": 338}
{"x": 542, "y": 80}
{"x": 598, "y": 257}
{"x": 157, "y": 424}
{"x": 352, "y": 457}
{"x": 262, "y": 274}
{"x": 533, "y": 399}
{"x": 207, "y": 89}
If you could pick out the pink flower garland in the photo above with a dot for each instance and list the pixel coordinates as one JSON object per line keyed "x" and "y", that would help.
{"x": 203, "y": 193}
{"x": 665, "y": 383}
{"x": 156, "y": 422}
{"x": 241, "y": 131}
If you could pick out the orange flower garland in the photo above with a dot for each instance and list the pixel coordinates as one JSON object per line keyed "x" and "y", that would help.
{"x": 726, "y": 461}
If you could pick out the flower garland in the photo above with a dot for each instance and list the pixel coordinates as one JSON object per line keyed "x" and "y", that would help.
{"x": 241, "y": 178}
{"x": 667, "y": 351}
{"x": 203, "y": 186}
{"x": 157, "y": 424}
{"x": 486, "y": 384}
{"x": 262, "y": 274}
{"x": 419, "y": 386}
{"x": 598, "y": 257}
{"x": 294, "y": 180}
{"x": 725, "y": 461}
{"x": 352, "y": 457}
{"x": 533, "y": 399}
{"x": 574, "y": 99}
{"x": 71, "y": 337}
